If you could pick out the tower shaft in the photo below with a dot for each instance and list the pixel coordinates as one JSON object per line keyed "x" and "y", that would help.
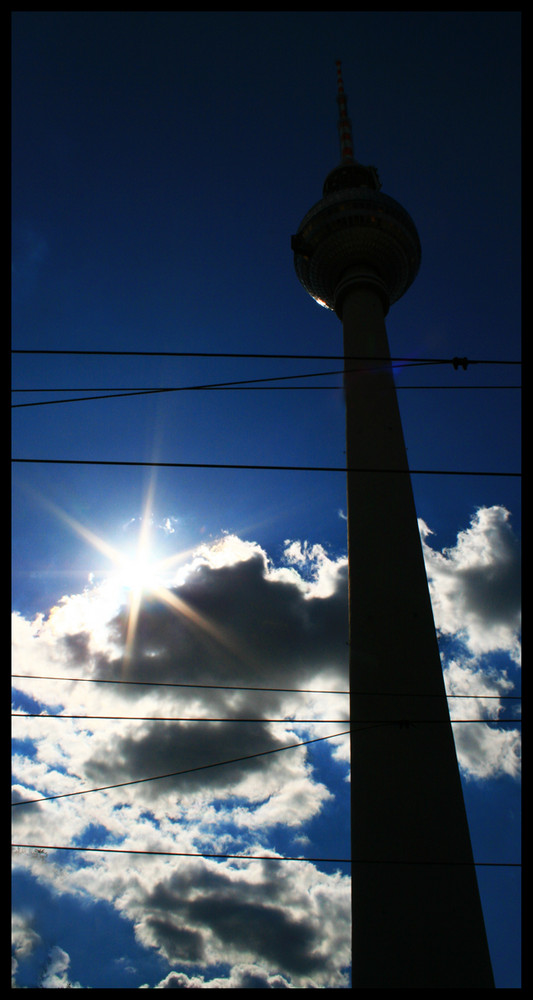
{"x": 417, "y": 919}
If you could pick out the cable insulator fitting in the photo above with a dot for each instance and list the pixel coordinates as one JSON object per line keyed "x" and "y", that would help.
{"x": 460, "y": 361}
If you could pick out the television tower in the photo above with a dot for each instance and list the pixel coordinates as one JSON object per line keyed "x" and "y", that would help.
{"x": 416, "y": 912}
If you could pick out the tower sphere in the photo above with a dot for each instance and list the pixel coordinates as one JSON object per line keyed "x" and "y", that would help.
{"x": 356, "y": 233}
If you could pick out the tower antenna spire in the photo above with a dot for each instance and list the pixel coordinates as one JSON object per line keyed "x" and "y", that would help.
{"x": 345, "y": 125}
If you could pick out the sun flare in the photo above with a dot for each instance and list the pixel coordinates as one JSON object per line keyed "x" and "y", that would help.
{"x": 139, "y": 572}
{"x": 139, "y": 575}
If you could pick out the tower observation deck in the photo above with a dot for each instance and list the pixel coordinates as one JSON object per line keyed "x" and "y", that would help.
{"x": 416, "y": 913}
{"x": 355, "y": 230}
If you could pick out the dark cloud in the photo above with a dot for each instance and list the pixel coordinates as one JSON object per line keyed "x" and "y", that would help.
{"x": 244, "y": 917}
{"x": 161, "y": 748}
{"x": 35, "y": 808}
{"x": 178, "y": 943}
{"x": 493, "y": 592}
{"x": 260, "y": 929}
{"x": 277, "y": 636}
{"x": 77, "y": 647}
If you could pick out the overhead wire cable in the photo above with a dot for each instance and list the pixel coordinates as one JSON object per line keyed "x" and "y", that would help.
{"x": 456, "y": 361}
{"x": 247, "y": 383}
{"x": 258, "y": 857}
{"x": 189, "y": 770}
{"x": 265, "y": 468}
{"x": 149, "y": 392}
{"x": 218, "y": 687}
{"x": 124, "y": 390}
{"x": 174, "y": 718}
{"x": 398, "y": 387}
{"x": 214, "y": 385}
{"x": 183, "y": 854}
{"x": 241, "y": 687}
{"x": 286, "y": 722}
{"x": 203, "y": 767}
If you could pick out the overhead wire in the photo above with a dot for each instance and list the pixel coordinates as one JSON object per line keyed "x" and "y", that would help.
{"x": 258, "y": 857}
{"x": 124, "y": 390}
{"x": 172, "y": 718}
{"x": 188, "y": 770}
{"x": 286, "y": 722}
{"x": 244, "y": 383}
{"x": 266, "y": 468}
{"x": 295, "y": 357}
{"x": 148, "y": 392}
{"x": 202, "y": 767}
{"x": 216, "y": 385}
{"x": 241, "y": 687}
{"x": 217, "y": 687}
{"x": 42, "y": 848}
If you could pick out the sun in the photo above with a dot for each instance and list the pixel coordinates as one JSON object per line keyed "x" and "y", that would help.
{"x": 139, "y": 572}
{"x": 135, "y": 571}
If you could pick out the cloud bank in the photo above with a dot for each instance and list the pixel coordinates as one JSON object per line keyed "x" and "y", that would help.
{"x": 476, "y": 598}
{"x": 234, "y": 637}
{"x": 475, "y": 586}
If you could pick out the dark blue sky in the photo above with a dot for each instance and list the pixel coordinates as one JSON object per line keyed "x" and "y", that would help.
{"x": 161, "y": 163}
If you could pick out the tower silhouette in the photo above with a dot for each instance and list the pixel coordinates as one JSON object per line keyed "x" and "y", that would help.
{"x": 416, "y": 912}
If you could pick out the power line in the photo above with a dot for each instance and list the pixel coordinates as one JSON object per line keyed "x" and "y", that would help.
{"x": 181, "y": 854}
{"x": 240, "y": 687}
{"x": 148, "y": 392}
{"x": 126, "y": 393}
{"x": 286, "y": 722}
{"x": 189, "y": 770}
{"x": 455, "y": 361}
{"x": 174, "y": 718}
{"x": 252, "y": 388}
{"x": 218, "y": 687}
{"x": 405, "y": 362}
{"x": 257, "y": 857}
{"x": 203, "y": 767}
{"x": 266, "y": 468}
{"x": 215, "y": 385}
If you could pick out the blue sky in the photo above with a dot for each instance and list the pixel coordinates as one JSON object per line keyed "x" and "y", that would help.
{"x": 161, "y": 163}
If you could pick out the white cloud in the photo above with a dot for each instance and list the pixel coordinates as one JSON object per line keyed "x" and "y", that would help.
{"x": 475, "y": 585}
{"x": 241, "y": 977}
{"x": 322, "y": 574}
{"x": 486, "y": 752}
{"x": 167, "y": 525}
{"x": 475, "y": 592}
{"x": 24, "y": 938}
{"x": 55, "y": 975}
{"x": 483, "y": 751}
